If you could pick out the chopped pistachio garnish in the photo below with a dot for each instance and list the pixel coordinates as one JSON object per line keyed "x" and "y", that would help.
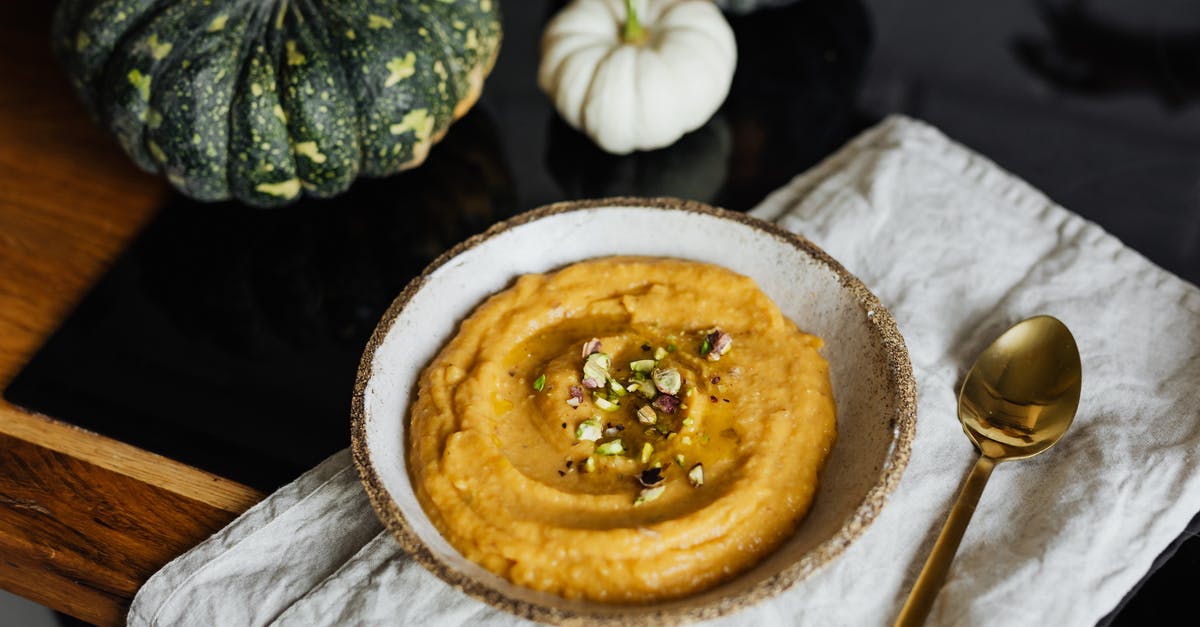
{"x": 642, "y": 365}
{"x": 666, "y": 403}
{"x": 591, "y": 346}
{"x": 660, "y": 353}
{"x": 718, "y": 343}
{"x": 679, "y": 459}
{"x": 646, "y": 415}
{"x": 696, "y": 475}
{"x": 611, "y": 447}
{"x": 604, "y": 403}
{"x": 595, "y": 369}
{"x": 649, "y": 494}
{"x": 589, "y": 464}
{"x": 667, "y": 380}
{"x": 576, "y": 397}
{"x": 687, "y": 422}
{"x": 645, "y": 387}
{"x": 687, "y": 439}
{"x": 650, "y": 477}
{"x": 588, "y": 429}
{"x": 539, "y": 384}
{"x": 617, "y": 388}
{"x": 647, "y": 451}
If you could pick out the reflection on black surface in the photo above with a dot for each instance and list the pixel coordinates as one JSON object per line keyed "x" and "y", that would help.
{"x": 1089, "y": 54}
{"x": 321, "y": 271}
{"x": 228, "y": 337}
{"x": 793, "y": 96}
{"x": 694, "y": 167}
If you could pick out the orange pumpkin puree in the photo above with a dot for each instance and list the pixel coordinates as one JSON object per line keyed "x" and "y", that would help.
{"x": 499, "y": 449}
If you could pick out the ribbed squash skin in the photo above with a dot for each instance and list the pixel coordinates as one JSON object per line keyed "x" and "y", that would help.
{"x": 263, "y": 100}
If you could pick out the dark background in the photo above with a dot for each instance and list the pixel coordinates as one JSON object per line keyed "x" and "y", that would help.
{"x": 227, "y": 337}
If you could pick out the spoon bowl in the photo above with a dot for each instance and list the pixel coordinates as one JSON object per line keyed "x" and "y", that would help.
{"x": 1021, "y": 394}
{"x": 1018, "y": 399}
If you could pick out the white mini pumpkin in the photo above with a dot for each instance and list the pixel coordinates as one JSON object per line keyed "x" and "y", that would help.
{"x": 637, "y": 74}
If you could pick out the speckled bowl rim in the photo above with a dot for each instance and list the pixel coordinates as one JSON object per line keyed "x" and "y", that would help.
{"x": 900, "y": 379}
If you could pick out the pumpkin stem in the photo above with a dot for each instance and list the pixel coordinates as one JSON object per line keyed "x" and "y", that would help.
{"x": 634, "y": 33}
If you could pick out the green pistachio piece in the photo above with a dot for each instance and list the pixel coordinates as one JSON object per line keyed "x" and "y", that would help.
{"x": 617, "y": 388}
{"x": 649, "y": 494}
{"x": 611, "y": 447}
{"x": 647, "y": 451}
{"x": 646, "y": 388}
{"x": 596, "y": 368}
{"x": 646, "y": 415}
{"x": 679, "y": 459}
{"x": 540, "y": 383}
{"x": 696, "y": 475}
{"x": 604, "y": 403}
{"x": 588, "y": 429}
{"x": 667, "y": 380}
{"x": 589, "y": 464}
{"x": 660, "y": 353}
{"x": 642, "y": 365}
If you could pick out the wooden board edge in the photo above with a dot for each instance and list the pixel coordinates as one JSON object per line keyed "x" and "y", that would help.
{"x": 128, "y": 460}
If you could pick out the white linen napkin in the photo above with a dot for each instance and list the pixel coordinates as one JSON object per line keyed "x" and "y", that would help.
{"x": 958, "y": 250}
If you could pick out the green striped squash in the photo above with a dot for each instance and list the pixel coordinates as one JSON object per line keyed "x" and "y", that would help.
{"x": 264, "y": 100}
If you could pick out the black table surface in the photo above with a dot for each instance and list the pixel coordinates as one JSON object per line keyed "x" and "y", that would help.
{"x": 228, "y": 338}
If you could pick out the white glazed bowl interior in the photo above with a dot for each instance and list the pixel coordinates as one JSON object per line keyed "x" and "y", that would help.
{"x": 871, "y": 384}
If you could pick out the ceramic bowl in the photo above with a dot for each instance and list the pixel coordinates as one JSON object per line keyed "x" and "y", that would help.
{"x": 869, "y": 367}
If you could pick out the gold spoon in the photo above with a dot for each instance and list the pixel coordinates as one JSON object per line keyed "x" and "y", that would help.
{"x": 1017, "y": 401}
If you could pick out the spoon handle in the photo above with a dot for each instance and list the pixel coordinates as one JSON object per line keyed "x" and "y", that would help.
{"x": 933, "y": 575}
